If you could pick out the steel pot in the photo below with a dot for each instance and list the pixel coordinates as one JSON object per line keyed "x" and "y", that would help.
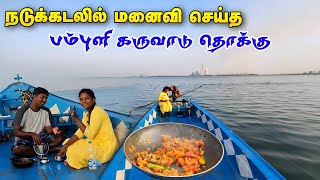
{"x": 150, "y": 136}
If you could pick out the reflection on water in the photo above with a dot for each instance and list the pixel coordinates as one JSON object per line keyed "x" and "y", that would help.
{"x": 278, "y": 116}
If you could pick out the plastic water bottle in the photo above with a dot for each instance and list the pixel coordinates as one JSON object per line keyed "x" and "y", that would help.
{"x": 92, "y": 161}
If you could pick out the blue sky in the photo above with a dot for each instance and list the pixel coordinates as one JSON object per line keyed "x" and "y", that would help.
{"x": 291, "y": 26}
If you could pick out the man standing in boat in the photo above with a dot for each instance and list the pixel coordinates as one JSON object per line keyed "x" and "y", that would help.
{"x": 32, "y": 125}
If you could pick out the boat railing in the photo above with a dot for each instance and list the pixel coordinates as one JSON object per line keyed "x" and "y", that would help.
{"x": 8, "y": 110}
{"x": 4, "y": 128}
{"x": 12, "y": 99}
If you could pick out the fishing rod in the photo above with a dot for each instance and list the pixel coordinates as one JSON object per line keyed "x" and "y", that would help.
{"x": 157, "y": 101}
{"x": 191, "y": 90}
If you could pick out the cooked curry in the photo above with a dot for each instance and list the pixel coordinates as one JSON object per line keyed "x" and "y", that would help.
{"x": 185, "y": 153}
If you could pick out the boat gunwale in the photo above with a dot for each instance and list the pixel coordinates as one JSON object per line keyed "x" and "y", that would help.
{"x": 260, "y": 163}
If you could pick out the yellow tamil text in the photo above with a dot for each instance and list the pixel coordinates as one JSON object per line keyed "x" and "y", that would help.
{"x": 173, "y": 16}
{"x": 233, "y": 19}
{"x": 27, "y": 17}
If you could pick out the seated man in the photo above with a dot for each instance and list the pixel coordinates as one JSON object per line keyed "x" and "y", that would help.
{"x": 164, "y": 101}
{"x": 32, "y": 125}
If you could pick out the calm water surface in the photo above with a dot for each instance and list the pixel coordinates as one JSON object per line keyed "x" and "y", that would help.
{"x": 278, "y": 116}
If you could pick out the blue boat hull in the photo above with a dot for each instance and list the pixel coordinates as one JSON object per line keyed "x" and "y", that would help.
{"x": 240, "y": 161}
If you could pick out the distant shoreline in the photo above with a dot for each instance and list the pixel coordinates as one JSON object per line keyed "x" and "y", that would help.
{"x": 231, "y": 75}
{"x": 141, "y": 76}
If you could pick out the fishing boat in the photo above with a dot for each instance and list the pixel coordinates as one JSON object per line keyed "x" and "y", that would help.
{"x": 237, "y": 160}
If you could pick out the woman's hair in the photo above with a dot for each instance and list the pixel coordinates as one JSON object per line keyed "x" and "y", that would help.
{"x": 88, "y": 91}
{"x": 165, "y": 88}
{"x": 91, "y": 94}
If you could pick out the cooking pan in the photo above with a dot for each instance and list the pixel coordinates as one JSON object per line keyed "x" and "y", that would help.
{"x": 150, "y": 136}
{"x": 23, "y": 162}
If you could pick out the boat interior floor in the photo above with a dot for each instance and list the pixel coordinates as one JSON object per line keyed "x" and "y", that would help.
{"x": 51, "y": 170}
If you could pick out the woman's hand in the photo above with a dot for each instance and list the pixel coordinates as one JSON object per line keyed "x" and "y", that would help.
{"x": 63, "y": 151}
{"x": 73, "y": 113}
